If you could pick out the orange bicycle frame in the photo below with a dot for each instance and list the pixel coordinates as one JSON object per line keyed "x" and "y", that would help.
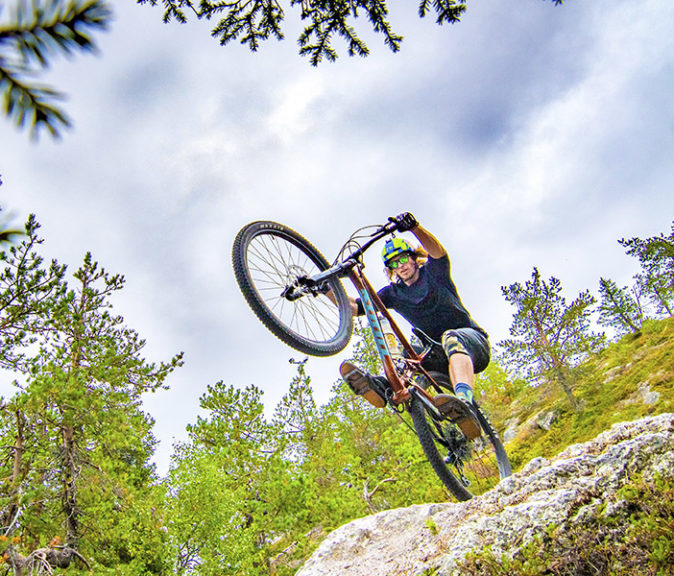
{"x": 372, "y": 305}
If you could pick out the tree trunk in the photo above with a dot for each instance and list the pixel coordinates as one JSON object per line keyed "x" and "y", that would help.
{"x": 561, "y": 375}
{"x": 69, "y": 489}
{"x": 559, "y": 370}
{"x": 11, "y": 513}
{"x": 622, "y": 315}
{"x": 663, "y": 301}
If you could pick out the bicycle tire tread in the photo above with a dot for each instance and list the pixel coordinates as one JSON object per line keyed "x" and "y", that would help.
{"x": 268, "y": 319}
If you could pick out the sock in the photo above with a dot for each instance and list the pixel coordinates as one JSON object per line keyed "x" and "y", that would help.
{"x": 463, "y": 391}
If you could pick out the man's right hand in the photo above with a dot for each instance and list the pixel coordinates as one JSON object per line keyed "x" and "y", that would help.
{"x": 405, "y": 221}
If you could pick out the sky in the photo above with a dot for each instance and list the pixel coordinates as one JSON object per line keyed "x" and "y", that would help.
{"x": 526, "y": 135}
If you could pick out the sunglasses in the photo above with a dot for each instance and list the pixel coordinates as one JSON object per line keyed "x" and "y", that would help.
{"x": 393, "y": 264}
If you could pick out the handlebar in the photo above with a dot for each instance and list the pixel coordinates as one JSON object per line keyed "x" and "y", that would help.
{"x": 317, "y": 284}
{"x": 389, "y": 228}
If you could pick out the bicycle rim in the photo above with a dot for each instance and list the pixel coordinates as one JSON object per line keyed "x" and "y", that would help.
{"x": 267, "y": 258}
{"x": 466, "y": 467}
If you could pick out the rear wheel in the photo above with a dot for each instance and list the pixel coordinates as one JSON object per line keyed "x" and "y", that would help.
{"x": 268, "y": 258}
{"x": 466, "y": 467}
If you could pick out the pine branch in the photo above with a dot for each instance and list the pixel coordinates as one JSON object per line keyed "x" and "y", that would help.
{"x": 32, "y": 102}
{"x": 173, "y": 9}
{"x": 449, "y": 11}
{"x": 249, "y": 20}
{"x": 327, "y": 20}
{"x": 252, "y": 21}
{"x": 27, "y": 43}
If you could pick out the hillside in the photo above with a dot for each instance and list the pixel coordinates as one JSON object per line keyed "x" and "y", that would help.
{"x": 629, "y": 379}
{"x": 603, "y": 507}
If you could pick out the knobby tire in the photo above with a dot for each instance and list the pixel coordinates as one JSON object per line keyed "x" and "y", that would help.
{"x": 483, "y": 460}
{"x": 267, "y": 257}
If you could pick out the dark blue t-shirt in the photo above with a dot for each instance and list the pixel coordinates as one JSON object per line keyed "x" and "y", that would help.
{"x": 432, "y": 303}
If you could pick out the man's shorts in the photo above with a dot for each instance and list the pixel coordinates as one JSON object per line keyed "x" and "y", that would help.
{"x": 468, "y": 341}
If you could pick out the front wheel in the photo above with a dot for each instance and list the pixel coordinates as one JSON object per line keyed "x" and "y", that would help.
{"x": 268, "y": 258}
{"x": 466, "y": 467}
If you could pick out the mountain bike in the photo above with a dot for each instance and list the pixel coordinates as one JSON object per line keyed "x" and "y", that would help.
{"x": 300, "y": 298}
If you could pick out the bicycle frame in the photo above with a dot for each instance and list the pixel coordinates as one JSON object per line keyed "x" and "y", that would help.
{"x": 373, "y": 304}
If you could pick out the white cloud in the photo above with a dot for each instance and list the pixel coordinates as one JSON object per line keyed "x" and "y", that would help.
{"x": 530, "y": 136}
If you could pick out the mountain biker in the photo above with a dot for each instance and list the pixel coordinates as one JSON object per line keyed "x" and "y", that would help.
{"x": 422, "y": 292}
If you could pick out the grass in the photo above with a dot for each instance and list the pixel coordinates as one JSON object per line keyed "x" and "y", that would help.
{"x": 629, "y": 379}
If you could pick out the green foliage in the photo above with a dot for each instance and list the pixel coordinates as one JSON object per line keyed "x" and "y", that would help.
{"x": 76, "y": 472}
{"x": 549, "y": 336}
{"x": 251, "y": 22}
{"x": 503, "y": 397}
{"x": 229, "y": 489}
{"x": 28, "y": 289}
{"x": 291, "y": 478}
{"x": 249, "y": 494}
{"x": 495, "y": 383}
{"x": 431, "y": 525}
{"x": 27, "y": 43}
{"x": 612, "y": 385}
{"x": 656, "y": 280}
{"x": 619, "y": 309}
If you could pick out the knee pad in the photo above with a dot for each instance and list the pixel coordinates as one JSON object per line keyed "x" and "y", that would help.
{"x": 451, "y": 344}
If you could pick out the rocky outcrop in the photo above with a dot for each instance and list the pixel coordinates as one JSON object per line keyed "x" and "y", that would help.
{"x": 433, "y": 538}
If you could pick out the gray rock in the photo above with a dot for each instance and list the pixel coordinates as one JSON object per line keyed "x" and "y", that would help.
{"x": 647, "y": 395}
{"x": 511, "y": 430}
{"x": 546, "y": 419}
{"x": 566, "y": 489}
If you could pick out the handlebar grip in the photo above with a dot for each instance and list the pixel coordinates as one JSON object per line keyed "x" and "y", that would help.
{"x": 391, "y": 225}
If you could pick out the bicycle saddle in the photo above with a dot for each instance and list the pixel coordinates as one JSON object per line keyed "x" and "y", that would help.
{"x": 434, "y": 357}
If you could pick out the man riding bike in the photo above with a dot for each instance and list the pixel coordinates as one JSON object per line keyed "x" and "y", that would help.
{"x": 422, "y": 292}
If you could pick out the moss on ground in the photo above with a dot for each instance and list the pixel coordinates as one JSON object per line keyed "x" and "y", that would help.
{"x": 629, "y": 379}
{"x": 631, "y": 537}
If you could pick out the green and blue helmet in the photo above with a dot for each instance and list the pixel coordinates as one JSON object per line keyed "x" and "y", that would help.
{"x": 394, "y": 248}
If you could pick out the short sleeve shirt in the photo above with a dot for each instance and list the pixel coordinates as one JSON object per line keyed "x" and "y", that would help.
{"x": 432, "y": 303}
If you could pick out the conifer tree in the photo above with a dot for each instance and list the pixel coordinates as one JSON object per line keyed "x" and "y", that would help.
{"x": 295, "y": 416}
{"x": 221, "y": 511}
{"x": 28, "y": 289}
{"x": 548, "y": 336}
{"x": 656, "y": 258}
{"x": 618, "y": 308}
{"x": 247, "y": 496}
{"x": 79, "y": 477}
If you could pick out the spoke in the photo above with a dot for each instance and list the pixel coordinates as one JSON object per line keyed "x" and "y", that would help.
{"x": 275, "y": 263}
{"x": 267, "y": 269}
{"x": 474, "y": 463}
